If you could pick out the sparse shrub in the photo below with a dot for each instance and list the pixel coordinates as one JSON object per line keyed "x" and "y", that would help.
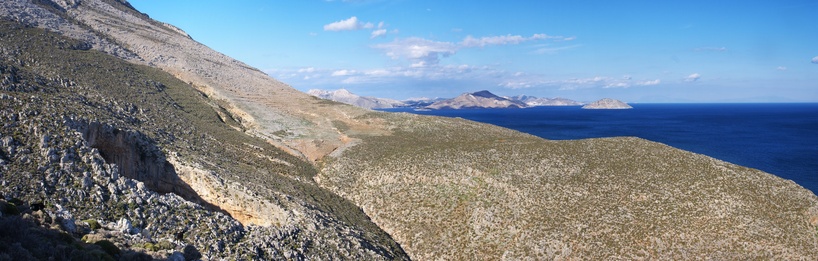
{"x": 151, "y": 247}
{"x": 65, "y": 237}
{"x": 191, "y": 253}
{"x": 135, "y": 256}
{"x": 108, "y": 247}
{"x": 164, "y": 244}
{"x": 99, "y": 255}
{"x": 93, "y": 224}
{"x": 9, "y": 208}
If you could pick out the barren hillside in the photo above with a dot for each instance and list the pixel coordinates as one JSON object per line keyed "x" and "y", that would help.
{"x": 171, "y": 148}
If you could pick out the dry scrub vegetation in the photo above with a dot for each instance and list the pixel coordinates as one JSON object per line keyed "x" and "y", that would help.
{"x": 463, "y": 190}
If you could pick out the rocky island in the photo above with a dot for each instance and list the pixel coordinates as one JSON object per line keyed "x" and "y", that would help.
{"x": 481, "y": 99}
{"x": 124, "y": 139}
{"x": 607, "y": 104}
{"x": 536, "y": 101}
{"x": 345, "y": 96}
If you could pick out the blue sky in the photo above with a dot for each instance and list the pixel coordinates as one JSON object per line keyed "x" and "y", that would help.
{"x": 637, "y": 51}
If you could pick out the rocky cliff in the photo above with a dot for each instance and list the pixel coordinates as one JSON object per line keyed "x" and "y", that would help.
{"x": 123, "y": 137}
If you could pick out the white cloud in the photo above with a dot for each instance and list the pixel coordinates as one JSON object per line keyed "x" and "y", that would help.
{"x": 344, "y": 25}
{"x": 710, "y": 49}
{"x": 617, "y": 85}
{"x": 378, "y": 33}
{"x": 307, "y": 70}
{"x": 343, "y": 72}
{"x": 378, "y": 72}
{"x": 552, "y": 50}
{"x": 781, "y": 68}
{"x": 470, "y": 41}
{"x": 693, "y": 77}
{"x": 519, "y": 84}
{"x": 531, "y": 81}
{"x": 815, "y": 59}
{"x": 418, "y": 50}
{"x": 422, "y": 52}
{"x": 649, "y": 83}
{"x": 353, "y": 23}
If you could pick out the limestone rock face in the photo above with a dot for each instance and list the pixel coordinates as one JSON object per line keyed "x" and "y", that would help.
{"x": 607, "y": 103}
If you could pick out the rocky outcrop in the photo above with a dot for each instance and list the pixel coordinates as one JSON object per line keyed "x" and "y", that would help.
{"x": 481, "y": 99}
{"x": 52, "y": 16}
{"x": 607, "y": 103}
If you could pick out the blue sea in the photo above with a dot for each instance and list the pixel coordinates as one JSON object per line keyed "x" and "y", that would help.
{"x": 781, "y": 139}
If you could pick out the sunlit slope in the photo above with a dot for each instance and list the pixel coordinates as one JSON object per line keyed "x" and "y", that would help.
{"x": 291, "y": 120}
{"x": 464, "y": 190}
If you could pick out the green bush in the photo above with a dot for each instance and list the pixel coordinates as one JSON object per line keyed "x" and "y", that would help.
{"x": 151, "y": 247}
{"x": 9, "y": 209}
{"x": 108, "y": 247}
{"x": 93, "y": 224}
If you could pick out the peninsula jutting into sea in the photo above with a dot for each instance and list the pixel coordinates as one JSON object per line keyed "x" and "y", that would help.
{"x": 127, "y": 138}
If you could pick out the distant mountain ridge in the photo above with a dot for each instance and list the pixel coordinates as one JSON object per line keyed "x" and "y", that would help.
{"x": 607, "y": 103}
{"x": 369, "y": 102}
{"x": 344, "y": 96}
{"x": 481, "y": 99}
{"x": 535, "y": 101}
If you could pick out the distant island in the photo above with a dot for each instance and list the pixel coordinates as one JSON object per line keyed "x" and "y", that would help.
{"x": 607, "y": 104}
{"x": 536, "y": 101}
{"x": 344, "y": 96}
{"x": 481, "y": 99}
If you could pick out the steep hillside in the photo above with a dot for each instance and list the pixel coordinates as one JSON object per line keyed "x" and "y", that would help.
{"x": 261, "y": 104}
{"x": 92, "y": 137}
